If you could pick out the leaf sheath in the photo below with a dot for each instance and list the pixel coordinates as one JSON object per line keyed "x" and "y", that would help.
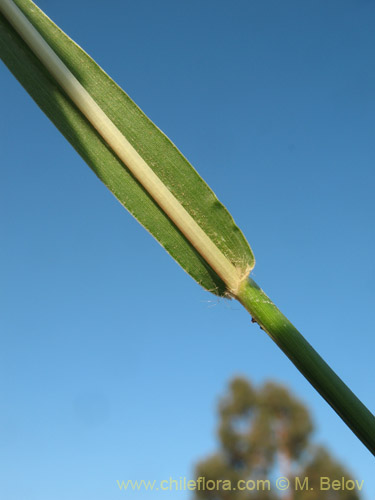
{"x": 309, "y": 363}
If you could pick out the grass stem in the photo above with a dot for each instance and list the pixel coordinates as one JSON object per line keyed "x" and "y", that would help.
{"x": 309, "y": 363}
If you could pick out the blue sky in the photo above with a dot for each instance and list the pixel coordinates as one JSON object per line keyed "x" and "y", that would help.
{"x": 112, "y": 359}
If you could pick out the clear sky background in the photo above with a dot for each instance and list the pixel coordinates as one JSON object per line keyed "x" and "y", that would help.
{"x": 112, "y": 359}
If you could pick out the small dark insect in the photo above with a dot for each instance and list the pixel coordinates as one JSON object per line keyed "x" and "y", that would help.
{"x": 255, "y": 321}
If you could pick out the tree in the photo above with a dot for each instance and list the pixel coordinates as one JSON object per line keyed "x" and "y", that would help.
{"x": 265, "y": 434}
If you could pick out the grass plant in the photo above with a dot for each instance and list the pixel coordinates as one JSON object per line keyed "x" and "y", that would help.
{"x": 156, "y": 183}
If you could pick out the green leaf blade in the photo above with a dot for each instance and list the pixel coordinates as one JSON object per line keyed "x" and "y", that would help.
{"x": 153, "y": 146}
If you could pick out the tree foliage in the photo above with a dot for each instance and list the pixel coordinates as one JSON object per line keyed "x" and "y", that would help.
{"x": 264, "y": 434}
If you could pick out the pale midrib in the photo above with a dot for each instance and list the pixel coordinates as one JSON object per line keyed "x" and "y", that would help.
{"x": 231, "y": 276}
